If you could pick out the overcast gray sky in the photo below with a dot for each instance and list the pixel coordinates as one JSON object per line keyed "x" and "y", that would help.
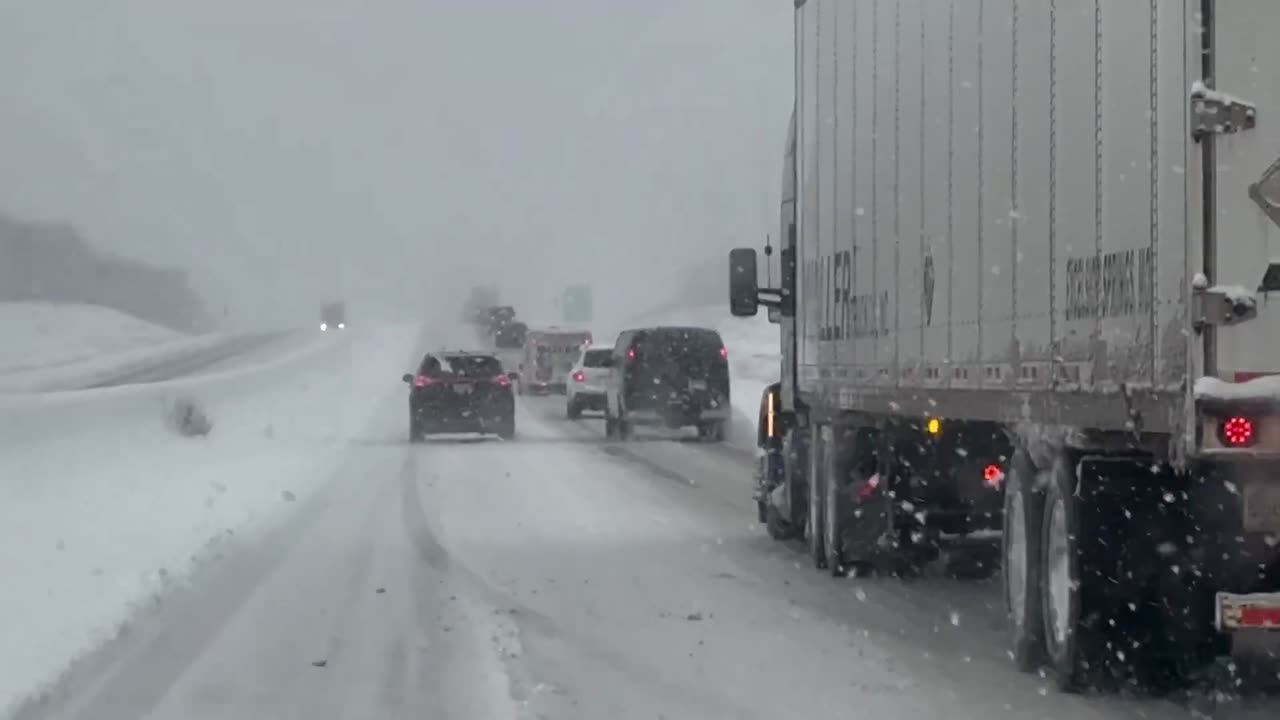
{"x": 393, "y": 151}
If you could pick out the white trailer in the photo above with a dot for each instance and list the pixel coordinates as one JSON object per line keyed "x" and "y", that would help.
{"x": 549, "y": 355}
{"x": 1026, "y": 287}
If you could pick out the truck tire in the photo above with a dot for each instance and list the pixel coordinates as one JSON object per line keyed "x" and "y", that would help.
{"x": 817, "y": 496}
{"x": 778, "y": 527}
{"x": 507, "y": 429}
{"x": 711, "y": 431}
{"x": 1020, "y": 567}
{"x": 415, "y": 430}
{"x": 795, "y": 456}
{"x": 1071, "y": 638}
{"x": 832, "y": 541}
{"x": 573, "y": 410}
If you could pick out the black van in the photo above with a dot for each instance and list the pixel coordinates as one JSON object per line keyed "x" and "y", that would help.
{"x": 669, "y": 376}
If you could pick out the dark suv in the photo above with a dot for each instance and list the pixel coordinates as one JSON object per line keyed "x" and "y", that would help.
{"x": 669, "y": 376}
{"x": 460, "y": 392}
{"x": 510, "y": 336}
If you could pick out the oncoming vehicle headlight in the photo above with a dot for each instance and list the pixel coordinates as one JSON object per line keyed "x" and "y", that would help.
{"x": 324, "y": 327}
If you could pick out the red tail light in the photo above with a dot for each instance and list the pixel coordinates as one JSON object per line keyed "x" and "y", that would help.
{"x": 579, "y": 376}
{"x": 631, "y": 353}
{"x": 1237, "y": 432}
{"x": 724, "y": 353}
{"x": 502, "y": 380}
{"x": 421, "y": 381}
{"x": 992, "y": 476}
{"x": 869, "y": 487}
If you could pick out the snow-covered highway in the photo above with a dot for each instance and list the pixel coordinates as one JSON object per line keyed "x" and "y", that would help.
{"x": 555, "y": 576}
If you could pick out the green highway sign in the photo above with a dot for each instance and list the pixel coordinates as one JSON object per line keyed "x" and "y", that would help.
{"x": 575, "y": 304}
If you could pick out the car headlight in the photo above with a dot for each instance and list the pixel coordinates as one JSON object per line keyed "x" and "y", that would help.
{"x": 324, "y": 327}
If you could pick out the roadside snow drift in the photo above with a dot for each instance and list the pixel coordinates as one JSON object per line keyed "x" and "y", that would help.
{"x": 50, "y": 346}
{"x": 105, "y": 504}
{"x": 42, "y": 334}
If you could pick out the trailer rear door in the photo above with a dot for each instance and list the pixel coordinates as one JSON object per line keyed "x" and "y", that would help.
{"x": 1243, "y": 188}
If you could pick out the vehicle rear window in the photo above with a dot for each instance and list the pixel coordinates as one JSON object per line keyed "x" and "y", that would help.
{"x": 681, "y": 343}
{"x": 596, "y": 358}
{"x": 474, "y": 366}
{"x": 560, "y": 345}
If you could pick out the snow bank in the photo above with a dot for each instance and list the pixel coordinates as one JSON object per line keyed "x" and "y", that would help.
{"x": 38, "y": 335}
{"x": 104, "y": 505}
{"x": 50, "y": 346}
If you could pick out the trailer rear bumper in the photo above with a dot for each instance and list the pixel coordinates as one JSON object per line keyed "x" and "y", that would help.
{"x": 1250, "y": 611}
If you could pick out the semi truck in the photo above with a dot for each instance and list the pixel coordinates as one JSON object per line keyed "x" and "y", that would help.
{"x": 1028, "y": 253}
{"x": 333, "y": 316}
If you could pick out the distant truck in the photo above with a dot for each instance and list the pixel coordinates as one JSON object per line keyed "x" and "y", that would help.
{"x": 499, "y": 316}
{"x": 510, "y": 336}
{"x": 549, "y": 355}
{"x": 479, "y": 300}
{"x": 1017, "y": 295}
{"x": 333, "y": 316}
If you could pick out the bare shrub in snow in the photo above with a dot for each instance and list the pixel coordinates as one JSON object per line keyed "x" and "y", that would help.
{"x": 188, "y": 419}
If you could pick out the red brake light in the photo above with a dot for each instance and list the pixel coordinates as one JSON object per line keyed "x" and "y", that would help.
{"x": 1237, "y": 431}
{"x": 869, "y": 487}
{"x": 992, "y": 476}
{"x": 421, "y": 381}
{"x": 579, "y": 376}
{"x": 724, "y": 353}
{"x": 502, "y": 380}
{"x": 631, "y": 353}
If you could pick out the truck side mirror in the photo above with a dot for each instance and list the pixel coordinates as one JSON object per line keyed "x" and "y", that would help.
{"x": 407, "y": 378}
{"x": 744, "y": 298}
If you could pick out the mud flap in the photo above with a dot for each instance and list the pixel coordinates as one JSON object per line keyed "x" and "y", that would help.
{"x": 863, "y": 507}
{"x": 864, "y": 524}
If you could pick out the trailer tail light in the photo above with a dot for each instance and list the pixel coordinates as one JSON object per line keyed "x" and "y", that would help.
{"x": 1237, "y": 432}
{"x": 992, "y": 476}
{"x": 1254, "y": 611}
{"x": 579, "y": 377}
